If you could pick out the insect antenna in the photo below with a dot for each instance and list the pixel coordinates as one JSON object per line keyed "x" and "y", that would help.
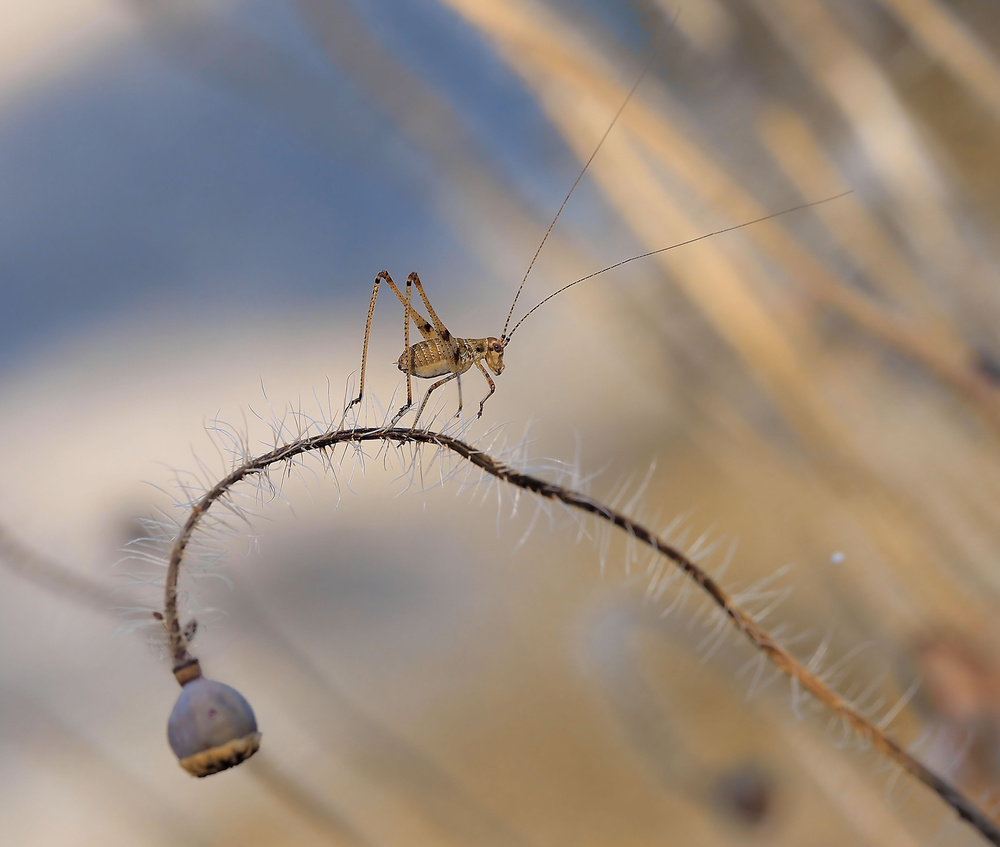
{"x": 504, "y": 338}
{"x": 799, "y": 207}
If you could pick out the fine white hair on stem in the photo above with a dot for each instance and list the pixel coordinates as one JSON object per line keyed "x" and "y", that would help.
{"x": 886, "y": 721}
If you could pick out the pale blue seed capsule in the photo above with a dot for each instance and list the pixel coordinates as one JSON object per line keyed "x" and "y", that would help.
{"x": 212, "y": 727}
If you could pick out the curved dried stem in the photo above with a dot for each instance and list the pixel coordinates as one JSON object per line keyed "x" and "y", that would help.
{"x": 864, "y": 728}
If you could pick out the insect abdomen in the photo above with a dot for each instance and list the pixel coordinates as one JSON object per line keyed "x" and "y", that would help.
{"x": 432, "y": 358}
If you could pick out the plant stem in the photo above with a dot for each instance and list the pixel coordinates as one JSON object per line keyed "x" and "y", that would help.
{"x": 863, "y": 727}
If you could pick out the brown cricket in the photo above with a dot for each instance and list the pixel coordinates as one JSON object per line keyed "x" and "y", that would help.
{"x": 438, "y": 354}
{"x": 442, "y": 354}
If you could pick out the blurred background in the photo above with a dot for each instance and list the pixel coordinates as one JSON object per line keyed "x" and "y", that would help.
{"x": 194, "y": 200}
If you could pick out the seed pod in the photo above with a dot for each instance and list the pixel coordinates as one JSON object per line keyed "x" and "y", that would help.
{"x": 212, "y": 726}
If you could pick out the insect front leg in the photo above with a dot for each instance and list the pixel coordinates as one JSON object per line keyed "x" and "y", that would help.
{"x": 493, "y": 388}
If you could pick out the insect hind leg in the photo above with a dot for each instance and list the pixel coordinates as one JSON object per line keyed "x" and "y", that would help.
{"x": 407, "y": 309}
{"x": 442, "y": 330}
{"x": 382, "y": 275}
{"x": 427, "y": 396}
